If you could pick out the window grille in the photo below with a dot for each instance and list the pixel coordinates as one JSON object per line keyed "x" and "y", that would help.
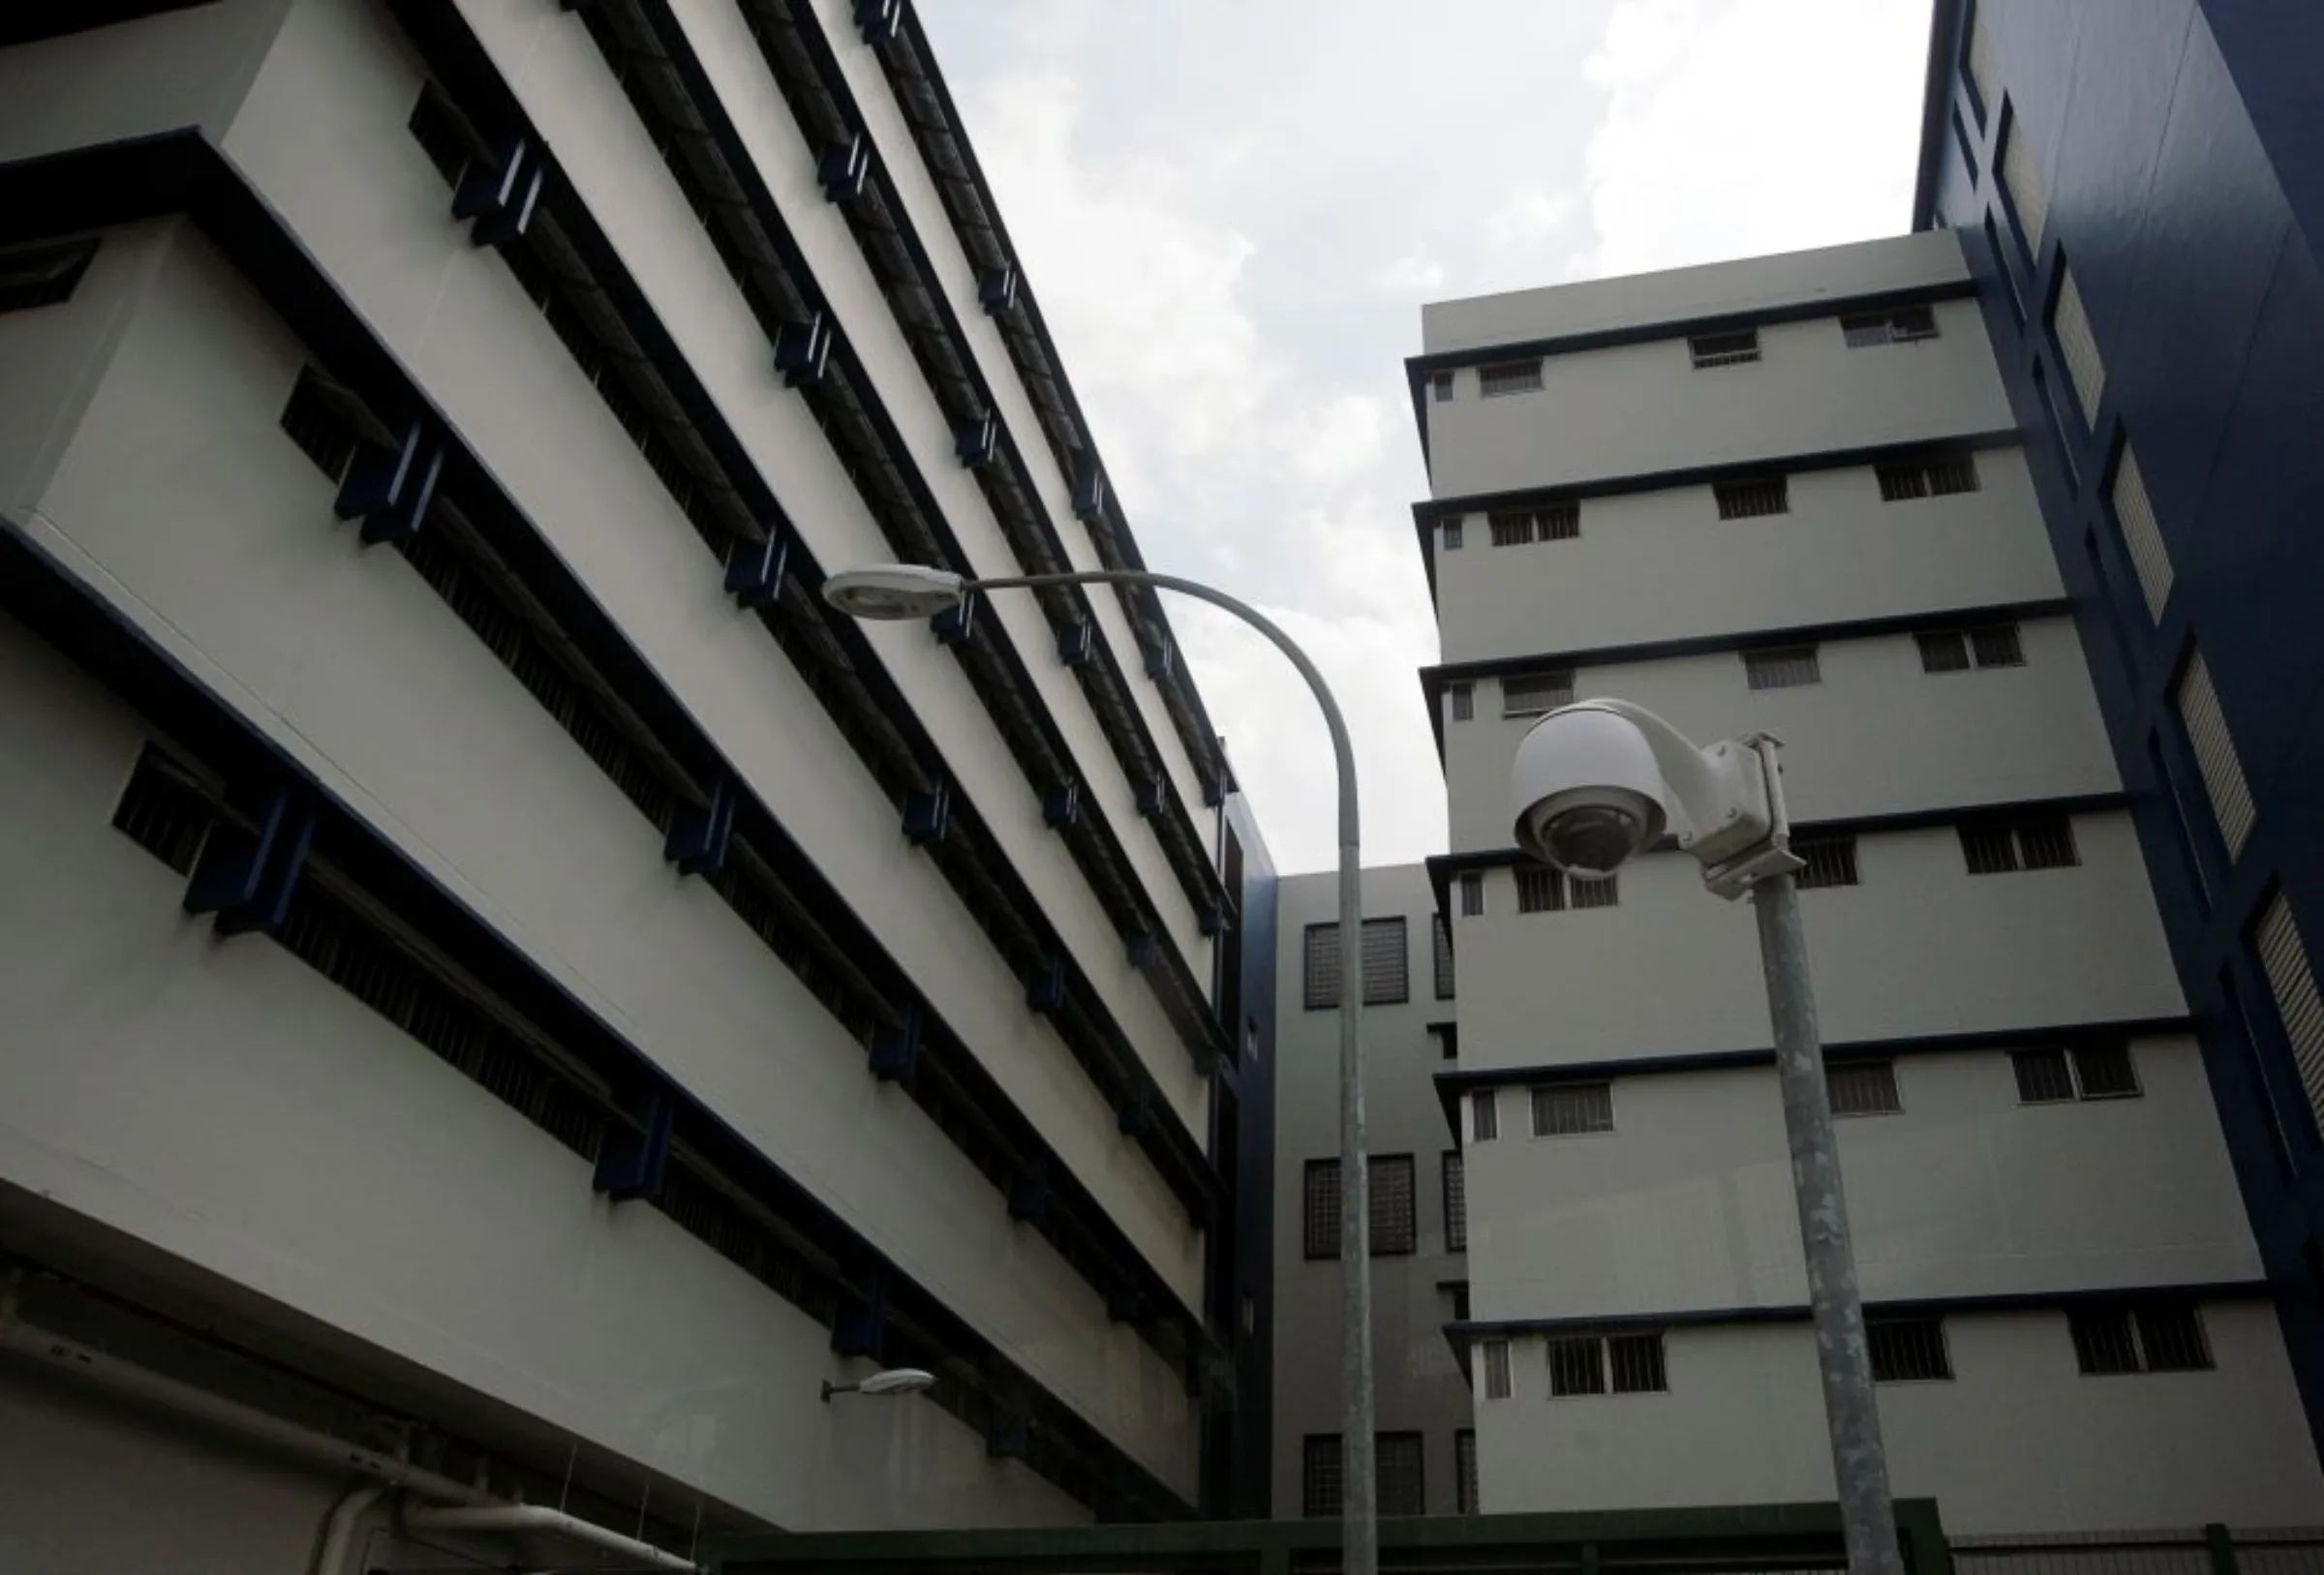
{"x": 1943, "y": 477}
{"x": 1521, "y": 526}
{"x": 1997, "y": 645}
{"x": 2142, "y": 534}
{"x": 2055, "y": 1075}
{"x": 1944, "y": 651}
{"x": 2029, "y": 842}
{"x": 1456, "y": 1205}
{"x": 1320, "y": 1474}
{"x": 1508, "y": 378}
{"x": 1321, "y": 971}
{"x": 2044, "y": 1077}
{"x": 1908, "y": 1350}
{"x": 1863, "y": 1088}
{"x": 1750, "y": 498}
{"x": 1397, "y": 1470}
{"x": 164, "y": 812}
{"x": 1572, "y": 1109}
{"x": 1724, "y": 350}
{"x": 1530, "y": 694}
{"x": 1394, "y": 1205}
{"x": 1831, "y": 860}
{"x": 1787, "y": 667}
{"x": 1452, "y": 534}
{"x": 1441, "y": 935}
{"x": 2213, "y": 746}
{"x": 1463, "y": 699}
{"x": 1472, "y": 893}
{"x": 2139, "y": 1337}
{"x": 1576, "y": 1366}
{"x": 1593, "y": 894}
{"x": 1496, "y": 1368}
{"x": 1902, "y": 326}
{"x": 1440, "y": 388}
{"x": 1636, "y": 1363}
{"x": 1321, "y": 1213}
{"x": 1484, "y": 1115}
{"x": 1540, "y": 890}
{"x": 1464, "y": 1471}
{"x": 1387, "y": 979}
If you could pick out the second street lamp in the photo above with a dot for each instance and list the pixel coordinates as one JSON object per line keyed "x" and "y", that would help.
{"x": 902, "y": 591}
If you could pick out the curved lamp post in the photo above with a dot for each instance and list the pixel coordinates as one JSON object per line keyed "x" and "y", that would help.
{"x": 1593, "y": 785}
{"x": 892, "y": 1381}
{"x": 903, "y": 592}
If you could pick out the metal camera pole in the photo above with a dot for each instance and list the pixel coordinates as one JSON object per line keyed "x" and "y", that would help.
{"x": 1843, "y": 1354}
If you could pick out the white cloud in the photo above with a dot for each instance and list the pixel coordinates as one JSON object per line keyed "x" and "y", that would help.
{"x": 1528, "y": 216}
{"x": 1411, "y": 276}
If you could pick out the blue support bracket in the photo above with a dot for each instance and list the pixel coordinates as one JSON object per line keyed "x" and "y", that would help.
{"x": 499, "y": 194}
{"x": 1076, "y": 644}
{"x": 1030, "y": 1196}
{"x": 802, "y": 350}
{"x": 895, "y": 1049}
{"x": 755, "y": 570}
{"x": 878, "y": 19}
{"x": 927, "y": 816}
{"x": 976, "y": 441}
{"x": 1151, "y": 796}
{"x": 1008, "y": 1435}
{"x": 1089, "y": 492}
{"x": 1135, "y": 1117}
{"x": 1126, "y": 1306}
{"x": 1210, "y": 919}
{"x": 956, "y": 623}
{"x": 862, "y": 1317}
{"x": 1214, "y": 789}
{"x": 633, "y": 1161}
{"x": 700, "y": 837}
{"x": 1061, "y": 806}
{"x": 1144, "y": 950}
{"x": 248, "y": 873}
{"x": 390, "y": 488}
{"x": 1160, "y": 656}
{"x": 844, "y": 168}
{"x": 1045, "y": 987}
{"x": 997, "y": 289}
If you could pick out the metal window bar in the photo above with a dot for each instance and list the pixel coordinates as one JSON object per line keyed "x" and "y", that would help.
{"x": 1463, "y": 701}
{"x": 1991, "y": 850}
{"x": 1495, "y": 1353}
{"x": 1484, "y": 1115}
{"x": 163, "y": 810}
{"x": 1635, "y": 1361}
{"x": 2044, "y": 1077}
{"x": 43, "y": 275}
{"x": 1464, "y": 1471}
{"x": 1541, "y": 890}
{"x": 1322, "y": 970}
{"x": 1530, "y": 694}
{"x": 1789, "y": 667}
{"x": 2292, "y": 981}
{"x": 1908, "y": 1350}
{"x": 1320, "y": 1212}
{"x": 1440, "y": 936}
{"x": 1901, "y": 480}
{"x": 1452, "y": 530}
{"x": 1752, "y": 498}
{"x": 2105, "y": 1071}
{"x": 1593, "y": 894}
{"x": 2213, "y": 746}
{"x": 1472, "y": 893}
{"x": 1861, "y": 330}
{"x": 1386, "y": 962}
{"x": 2103, "y": 1344}
{"x": 1508, "y": 378}
{"x": 1908, "y": 323}
{"x": 1997, "y": 645}
{"x": 1951, "y": 475}
{"x": 1724, "y": 350}
{"x": 2047, "y": 842}
{"x": 1320, "y": 1474}
{"x": 1576, "y": 1366}
{"x": 1456, "y": 1205}
{"x": 1944, "y": 651}
{"x": 315, "y": 418}
{"x": 1557, "y": 522}
{"x": 2142, "y": 534}
{"x": 2078, "y": 345}
{"x": 1510, "y": 528}
{"x": 1394, "y": 1206}
{"x": 1572, "y": 1109}
{"x": 1399, "y": 1473}
{"x": 1440, "y": 388}
{"x": 1863, "y": 1088}
{"x": 2170, "y": 1338}
{"x": 1831, "y": 860}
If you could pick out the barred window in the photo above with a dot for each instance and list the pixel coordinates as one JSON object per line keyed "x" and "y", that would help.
{"x": 1462, "y": 699}
{"x": 1724, "y": 350}
{"x": 1750, "y": 498}
{"x": 1908, "y": 1350}
{"x": 1323, "y": 969}
{"x": 1455, "y": 536}
{"x": 1442, "y": 934}
{"x": 1397, "y": 1469}
{"x": 1593, "y": 894}
{"x": 1635, "y": 1361}
{"x": 1521, "y": 526}
{"x": 1937, "y": 476}
{"x": 1396, "y": 1206}
{"x": 1576, "y": 1366}
{"x": 2028, "y": 842}
{"x": 1787, "y": 667}
{"x": 1456, "y": 1205}
{"x": 2139, "y": 1337}
{"x": 2055, "y": 1075}
{"x": 1958, "y": 651}
{"x": 1322, "y": 1211}
{"x": 1484, "y": 1115}
{"x": 1320, "y": 1474}
{"x": 1440, "y": 388}
{"x": 1387, "y": 972}
{"x": 1622, "y": 1364}
{"x": 1472, "y": 893}
{"x": 1831, "y": 860}
{"x": 1539, "y": 888}
{"x": 1464, "y": 1471}
{"x": 1496, "y": 1355}
{"x": 1508, "y": 378}
{"x": 1900, "y": 325}
{"x": 1530, "y": 694}
{"x": 1863, "y": 1088}
{"x": 1571, "y": 1109}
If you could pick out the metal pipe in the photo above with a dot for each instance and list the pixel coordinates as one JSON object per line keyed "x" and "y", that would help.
{"x": 1843, "y": 1356}
{"x": 541, "y": 1518}
{"x": 1359, "y": 1520}
{"x": 339, "y": 1529}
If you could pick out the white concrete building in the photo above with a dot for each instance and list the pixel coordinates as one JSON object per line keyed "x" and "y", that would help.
{"x": 1425, "y": 1445}
{"x": 492, "y": 971}
{"x": 1788, "y": 495}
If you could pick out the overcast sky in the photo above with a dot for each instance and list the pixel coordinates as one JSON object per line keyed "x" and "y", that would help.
{"x": 1231, "y": 210}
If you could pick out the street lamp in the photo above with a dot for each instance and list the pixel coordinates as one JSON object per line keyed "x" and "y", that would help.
{"x": 892, "y": 1381}
{"x": 1594, "y": 783}
{"x": 906, "y": 591}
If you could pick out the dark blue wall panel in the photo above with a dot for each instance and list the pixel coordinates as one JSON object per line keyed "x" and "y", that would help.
{"x": 2182, "y": 146}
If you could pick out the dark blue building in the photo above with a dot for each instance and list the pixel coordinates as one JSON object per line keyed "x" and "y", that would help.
{"x": 2139, "y": 185}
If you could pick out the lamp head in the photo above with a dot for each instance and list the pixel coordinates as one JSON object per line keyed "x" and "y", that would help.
{"x": 898, "y": 1380}
{"x": 1588, "y": 792}
{"x": 894, "y": 592}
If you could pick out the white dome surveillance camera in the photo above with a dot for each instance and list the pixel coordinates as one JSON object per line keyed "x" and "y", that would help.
{"x": 1589, "y": 794}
